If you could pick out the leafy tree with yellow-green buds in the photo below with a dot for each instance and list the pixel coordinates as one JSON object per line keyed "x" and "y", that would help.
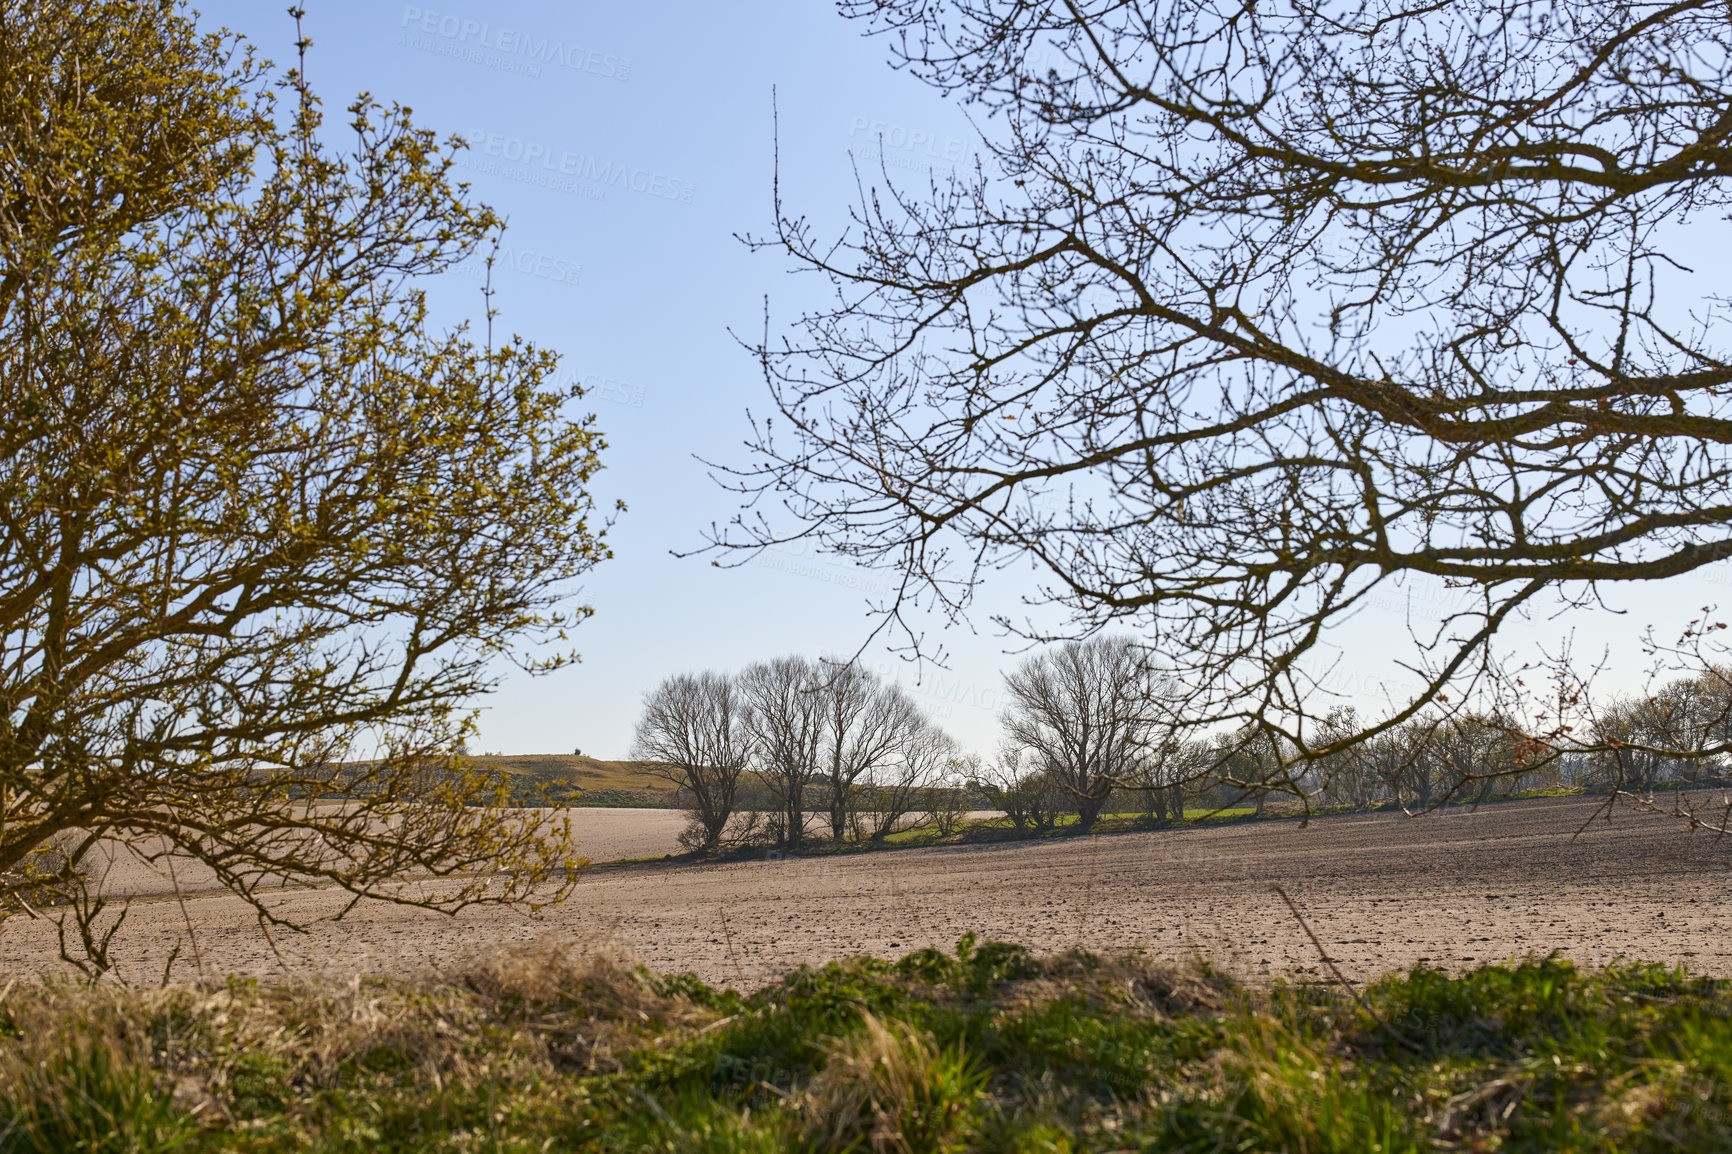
{"x": 264, "y": 531}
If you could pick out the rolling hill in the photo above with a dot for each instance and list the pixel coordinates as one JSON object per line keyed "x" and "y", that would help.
{"x": 623, "y": 783}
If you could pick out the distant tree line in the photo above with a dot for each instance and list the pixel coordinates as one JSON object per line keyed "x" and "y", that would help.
{"x": 794, "y": 749}
{"x": 1635, "y": 743}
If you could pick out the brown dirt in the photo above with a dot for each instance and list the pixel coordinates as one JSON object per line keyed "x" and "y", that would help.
{"x": 1382, "y": 891}
{"x": 604, "y": 834}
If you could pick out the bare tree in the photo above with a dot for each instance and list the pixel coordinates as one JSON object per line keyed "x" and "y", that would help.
{"x": 897, "y": 788}
{"x": 1406, "y": 751}
{"x": 1673, "y": 732}
{"x": 1476, "y": 752}
{"x": 946, "y": 800}
{"x": 1084, "y": 711}
{"x": 1169, "y": 756}
{"x": 1250, "y": 762}
{"x": 696, "y": 735}
{"x": 1252, "y": 313}
{"x": 866, "y": 726}
{"x": 1024, "y": 794}
{"x": 1170, "y": 762}
{"x": 787, "y": 722}
{"x": 1351, "y": 775}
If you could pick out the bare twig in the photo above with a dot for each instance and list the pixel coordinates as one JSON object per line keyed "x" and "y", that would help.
{"x": 1341, "y": 978}
{"x": 191, "y": 934}
{"x": 728, "y": 937}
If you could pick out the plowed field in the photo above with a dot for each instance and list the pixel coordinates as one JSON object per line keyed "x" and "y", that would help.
{"x": 1381, "y": 892}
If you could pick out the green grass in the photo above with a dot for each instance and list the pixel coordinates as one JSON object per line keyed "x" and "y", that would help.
{"x": 603, "y": 783}
{"x": 986, "y": 1048}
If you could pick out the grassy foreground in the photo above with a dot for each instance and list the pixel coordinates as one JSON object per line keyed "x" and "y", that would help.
{"x": 988, "y": 1048}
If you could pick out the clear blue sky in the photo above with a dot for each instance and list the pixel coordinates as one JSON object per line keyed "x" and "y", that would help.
{"x": 638, "y": 287}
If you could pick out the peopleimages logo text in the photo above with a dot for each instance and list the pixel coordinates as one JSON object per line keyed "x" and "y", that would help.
{"x": 516, "y": 42}
{"x": 528, "y": 262}
{"x": 900, "y": 137}
{"x": 587, "y": 170}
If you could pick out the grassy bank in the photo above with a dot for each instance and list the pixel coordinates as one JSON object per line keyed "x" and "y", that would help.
{"x": 578, "y": 781}
{"x": 987, "y": 1048}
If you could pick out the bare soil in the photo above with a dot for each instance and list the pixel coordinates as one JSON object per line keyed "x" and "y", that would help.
{"x": 603, "y": 834}
{"x": 1381, "y": 891}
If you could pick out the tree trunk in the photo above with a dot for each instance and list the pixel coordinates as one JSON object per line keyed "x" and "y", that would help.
{"x": 1087, "y": 810}
{"x": 838, "y": 810}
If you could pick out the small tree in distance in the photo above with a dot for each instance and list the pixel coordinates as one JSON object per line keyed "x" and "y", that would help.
{"x": 1170, "y": 761}
{"x": 696, "y": 736}
{"x": 788, "y": 718}
{"x": 1084, "y": 711}
{"x": 898, "y": 788}
{"x": 947, "y": 800}
{"x": 1022, "y": 792}
{"x": 868, "y": 727}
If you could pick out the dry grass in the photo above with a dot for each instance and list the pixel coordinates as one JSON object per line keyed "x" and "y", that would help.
{"x": 554, "y": 1007}
{"x": 574, "y": 1046}
{"x": 889, "y": 1088}
{"x": 1133, "y": 984}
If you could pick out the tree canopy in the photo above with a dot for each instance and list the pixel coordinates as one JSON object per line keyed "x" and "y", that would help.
{"x": 265, "y": 530}
{"x": 1251, "y": 313}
